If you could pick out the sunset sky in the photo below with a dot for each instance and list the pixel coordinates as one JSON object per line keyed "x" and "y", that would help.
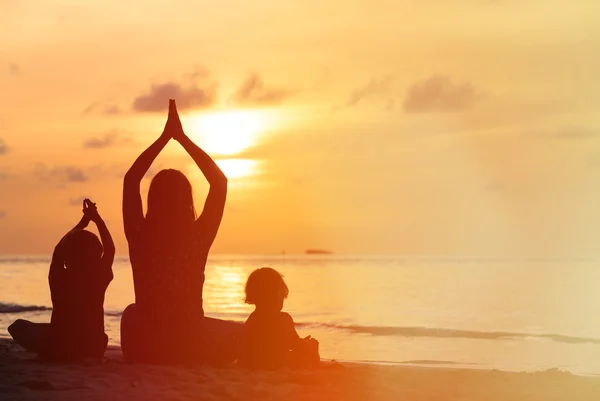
{"x": 444, "y": 127}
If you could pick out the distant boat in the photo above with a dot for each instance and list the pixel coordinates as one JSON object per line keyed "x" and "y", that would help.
{"x": 317, "y": 252}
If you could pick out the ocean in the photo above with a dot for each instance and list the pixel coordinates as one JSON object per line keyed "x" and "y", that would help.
{"x": 477, "y": 313}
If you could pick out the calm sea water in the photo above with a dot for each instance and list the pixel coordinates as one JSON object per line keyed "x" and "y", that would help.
{"x": 505, "y": 314}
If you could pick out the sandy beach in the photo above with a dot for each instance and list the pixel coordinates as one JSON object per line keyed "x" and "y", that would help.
{"x": 24, "y": 378}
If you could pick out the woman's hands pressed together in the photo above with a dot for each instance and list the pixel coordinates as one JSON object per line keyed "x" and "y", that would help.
{"x": 173, "y": 128}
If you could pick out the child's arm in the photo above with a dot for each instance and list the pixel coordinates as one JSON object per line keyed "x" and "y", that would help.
{"x": 292, "y": 336}
{"x": 212, "y": 214}
{"x": 305, "y": 351}
{"x": 57, "y": 265}
{"x": 83, "y": 223}
{"x": 133, "y": 214}
{"x": 108, "y": 256}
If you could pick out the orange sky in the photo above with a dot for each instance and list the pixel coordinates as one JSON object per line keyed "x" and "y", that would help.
{"x": 464, "y": 127}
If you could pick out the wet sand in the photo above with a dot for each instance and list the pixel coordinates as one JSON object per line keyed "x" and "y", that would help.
{"x": 22, "y": 377}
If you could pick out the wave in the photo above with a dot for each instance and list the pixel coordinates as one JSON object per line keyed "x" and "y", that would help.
{"x": 450, "y": 333}
{"x": 41, "y": 259}
{"x": 15, "y": 308}
{"x": 434, "y": 362}
{"x": 406, "y": 331}
{"x": 429, "y": 332}
{"x": 24, "y": 260}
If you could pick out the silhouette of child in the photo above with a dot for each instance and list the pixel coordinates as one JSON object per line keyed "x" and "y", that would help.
{"x": 269, "y": 338}
{"x": 80, "y": 272}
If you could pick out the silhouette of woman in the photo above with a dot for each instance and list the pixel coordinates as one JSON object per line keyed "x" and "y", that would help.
{"x": 168, "y": 249}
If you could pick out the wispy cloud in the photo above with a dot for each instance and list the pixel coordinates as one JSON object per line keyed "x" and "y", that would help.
{"x": 575, "y": 133}
{"x": 77, "y": 201}
{"x": 107, "y": 109}
{"x": 254, "y": 92}
{"x": 563, "y": 133}
{"x": 109, "y": 139}
{"x": 4, "y": 176}
{"x": 14, "y": 69}
{"x": 61, "y": 174}
{"x": 376, "y": 86}
{"x": 439, "y": 94}
{"x": 198, "y": 71}
{"x": 3, "y": 147}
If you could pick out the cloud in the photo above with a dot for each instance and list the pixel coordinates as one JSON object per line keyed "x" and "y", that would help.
{"x": 4, "y": 176}
{"x": 111, "y": 110}
{"x": 188, "y": 94}
{"x": 563, "y": 133}
{"x": 197, "y": 72}
{"x": 78, "y": 201}
{"x": 187, "y": 97}
{"x": 439, "y": 94}
{"x": 110, "y": 139}
{"x": 376, "y": 86}
{"x": 575, "y": 133}
{"x": 14, "y": 69}
{"x": 108, "y": 110}
{"x": 61, "y": 174}
{"x": 253, "y": 91}
{"x": 495, "y": 186}
{"x": 3, "y": 147}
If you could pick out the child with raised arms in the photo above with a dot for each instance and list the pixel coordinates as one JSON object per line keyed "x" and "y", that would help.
{"x": 80, "y": 272}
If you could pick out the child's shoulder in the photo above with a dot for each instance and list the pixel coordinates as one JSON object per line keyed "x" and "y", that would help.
{"x": 285, "y": 320}
{"x": 286, "y": 317}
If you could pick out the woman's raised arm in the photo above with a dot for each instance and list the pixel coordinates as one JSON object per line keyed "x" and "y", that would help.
{"x": 133, "y": 214}
{"x": 212, "y": 214}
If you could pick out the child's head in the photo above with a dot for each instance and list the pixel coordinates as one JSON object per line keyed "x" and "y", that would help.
{"x": 81, "y": 248}
{"x": 266, "y": 289}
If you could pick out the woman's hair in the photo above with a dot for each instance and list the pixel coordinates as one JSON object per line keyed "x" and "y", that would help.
{"x": 170, "y": 201}
{"x": 81, "y": 248}
{"x": 265, "y": 286}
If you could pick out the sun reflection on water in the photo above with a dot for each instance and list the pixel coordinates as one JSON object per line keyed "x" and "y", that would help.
{"x": 226, "y": 289}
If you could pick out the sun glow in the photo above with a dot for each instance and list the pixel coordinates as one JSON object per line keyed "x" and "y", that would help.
{"x": 237, "y": 168}
{"x": 229, "y": 132}
{"x": 232, "y": 168}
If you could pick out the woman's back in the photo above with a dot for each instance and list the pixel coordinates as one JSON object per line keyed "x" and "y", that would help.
{"x": 168, "y": 272}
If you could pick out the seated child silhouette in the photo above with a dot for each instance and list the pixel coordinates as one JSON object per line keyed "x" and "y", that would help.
{"x": 269, "y": 338}
{"x": 80, "y": 272}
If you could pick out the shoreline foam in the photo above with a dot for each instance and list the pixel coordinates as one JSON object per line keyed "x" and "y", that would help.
{"x": 395, "y": 331}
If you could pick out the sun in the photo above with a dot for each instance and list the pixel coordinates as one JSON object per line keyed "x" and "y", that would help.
{"x": 237, "y": 168}
{"x": 228, "y": 132}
